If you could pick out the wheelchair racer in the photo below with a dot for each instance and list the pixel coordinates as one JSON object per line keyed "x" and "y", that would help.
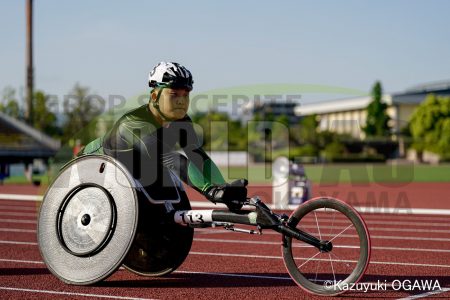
{"x": 144, "y": 140}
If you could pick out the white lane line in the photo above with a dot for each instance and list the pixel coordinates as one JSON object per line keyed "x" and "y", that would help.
{"x": 17, "y": 230}
{"x": 413, "y": 238}
{"x": 18, "y": 207}
{"x": 371, "y": 229}
{"x": 272, "y": 243}
{"x": 251, "y": 276}
{"x": 272, "y": 257}
{"x": 21, "y": 197}
{"x": 204, "y": 204}
{"x": 38, "y": 262}
{"x": 402, "y": 210}
{"x": 367, "y": 216}
{"x": 423, "y": 295}
{"x": 178, "y": 271}
{"x": 22, "y": 261}
{"x": 234, "y": 275}
{"x": 212, "y": 274}
{"x": 406, "y": 217}
{"x": 308, "y": 246}
{"x": 69, "y": 293}
{"x": 391, "y": 237}
{"x": 387, "y": 237}
{"x": 211, "y": 231}
{"x": 15, "y": 203}
{"x": 418, "y": 224}
{"x": 17, "y": 214}
{"x": 303, "y": 258}
{"x": 18, "y": 243}
{"x": 18, "y": 221}
{"x": 361, "y": 209}
{"x": 226, "y": 231}
{"x": 410, "y": 223}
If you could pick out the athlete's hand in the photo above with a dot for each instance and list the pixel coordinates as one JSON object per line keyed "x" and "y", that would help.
{"x": 232, "y": 194}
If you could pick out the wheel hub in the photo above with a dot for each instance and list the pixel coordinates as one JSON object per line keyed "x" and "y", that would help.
{"x": 86, "y": 220}
{"x": 325, "y": 246}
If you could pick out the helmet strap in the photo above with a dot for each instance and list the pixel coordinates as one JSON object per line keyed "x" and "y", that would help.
{"x": 155, "y": 104}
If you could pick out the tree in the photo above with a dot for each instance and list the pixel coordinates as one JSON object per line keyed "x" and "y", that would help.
{"x": 237, "y": 137}
{"x": 44, "y": 119}
{"x": 308, "y": 130}
{"x": 280, "y": 131}
{"x": 80, "y": 109}
{"x": 214, "y": 130}
{"x": 254, "y": 134}
{"x": 430, "y": 125}
{"x": 9, "y": 104}
{"x": 377, "y": 124}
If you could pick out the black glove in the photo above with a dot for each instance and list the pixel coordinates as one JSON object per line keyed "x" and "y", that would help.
{"x": 232, "y": 194}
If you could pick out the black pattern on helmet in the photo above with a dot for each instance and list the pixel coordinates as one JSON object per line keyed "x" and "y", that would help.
{"x": 170, "y": 74}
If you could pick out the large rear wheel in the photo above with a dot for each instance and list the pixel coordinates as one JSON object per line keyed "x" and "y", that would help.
{"x": 329, "y": 272}
{"x": 160, "y": 245}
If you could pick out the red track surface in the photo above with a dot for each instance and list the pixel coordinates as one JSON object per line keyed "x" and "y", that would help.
{"x": 405, "y": 195}
{"x": 227, "y": 265}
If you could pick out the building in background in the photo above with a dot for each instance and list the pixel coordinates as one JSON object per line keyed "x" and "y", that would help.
{"x": 22, "y": 144}
{"x": 349, "y": 115}
{"x": 270, "y": 109}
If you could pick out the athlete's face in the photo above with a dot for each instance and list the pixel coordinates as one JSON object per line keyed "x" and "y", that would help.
{"x": 173, "y": 103}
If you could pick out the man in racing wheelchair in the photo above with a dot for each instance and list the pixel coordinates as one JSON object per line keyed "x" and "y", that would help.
{"x": 144, "y": 140}
{"x": 95, "y": 217}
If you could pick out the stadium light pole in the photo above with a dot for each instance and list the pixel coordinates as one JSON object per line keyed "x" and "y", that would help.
{"x": 29, "y": 62}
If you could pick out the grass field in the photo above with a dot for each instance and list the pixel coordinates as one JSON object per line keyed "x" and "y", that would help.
{"x": 350, "y": 173}
{"x": 345, "y": 173}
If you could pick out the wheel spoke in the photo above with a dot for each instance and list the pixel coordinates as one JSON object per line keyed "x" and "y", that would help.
{"x": 339, "y": 260}
{"x": 332, "y": 268}
{"x": 317, "y": 222}
{"x": 317, "y": 271}
{"x": 341, "y": 232}
{"x": 332, "y": 223}
{"x": 309, "y": 259}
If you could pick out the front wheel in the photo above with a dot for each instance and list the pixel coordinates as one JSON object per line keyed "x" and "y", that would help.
{"x": 329, "y": 272}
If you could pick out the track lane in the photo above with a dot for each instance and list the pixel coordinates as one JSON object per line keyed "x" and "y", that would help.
{"x": 227, "y": 265}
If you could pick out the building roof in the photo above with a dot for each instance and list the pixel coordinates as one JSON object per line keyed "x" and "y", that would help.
{"x": 337, "y": 105}
{"x": 430, "y": 87}
{"x": 414, "y": 95}
{"x": 19, "y": 140}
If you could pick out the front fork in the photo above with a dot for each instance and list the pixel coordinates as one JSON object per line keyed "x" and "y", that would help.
{"x": 322, "y": 245}
{"x": 268, "y": 219}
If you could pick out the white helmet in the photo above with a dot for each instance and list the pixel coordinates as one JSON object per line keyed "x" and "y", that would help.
{"x": 170, "y": 74}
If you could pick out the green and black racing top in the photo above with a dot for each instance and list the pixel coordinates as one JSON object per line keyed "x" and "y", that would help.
{"x": 146, "y": 148}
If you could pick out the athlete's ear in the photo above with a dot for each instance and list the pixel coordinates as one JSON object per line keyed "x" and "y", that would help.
{"x": 153, "y": 94}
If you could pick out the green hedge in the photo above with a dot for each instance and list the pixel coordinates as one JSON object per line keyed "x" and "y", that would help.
{"x": 356, "y": 158}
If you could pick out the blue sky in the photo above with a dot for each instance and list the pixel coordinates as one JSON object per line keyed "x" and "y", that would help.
{"x": 111, "y": 46}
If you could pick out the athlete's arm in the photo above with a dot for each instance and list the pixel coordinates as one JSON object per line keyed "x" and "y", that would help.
{"x": 202, "y": 172}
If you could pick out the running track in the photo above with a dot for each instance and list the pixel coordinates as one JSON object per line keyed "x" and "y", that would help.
{"x": 228, "y": 265}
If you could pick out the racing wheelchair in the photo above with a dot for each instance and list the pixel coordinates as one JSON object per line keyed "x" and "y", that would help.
{"x": 95, "y": 217}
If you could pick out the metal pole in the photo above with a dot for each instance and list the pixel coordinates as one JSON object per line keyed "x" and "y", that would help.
{"x": 29, "y": 63}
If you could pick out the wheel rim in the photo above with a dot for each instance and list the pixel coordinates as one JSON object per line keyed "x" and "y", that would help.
{"x": 86, "y": 220}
